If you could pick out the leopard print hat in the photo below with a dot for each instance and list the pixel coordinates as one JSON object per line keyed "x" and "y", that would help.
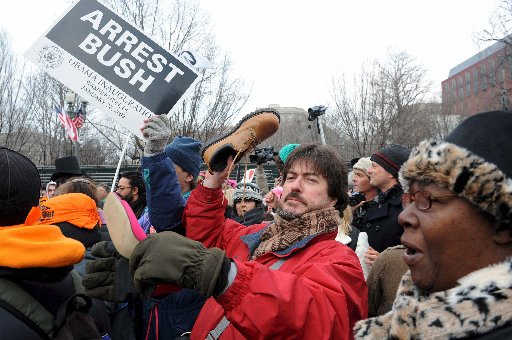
{"x": 474, "y": 161}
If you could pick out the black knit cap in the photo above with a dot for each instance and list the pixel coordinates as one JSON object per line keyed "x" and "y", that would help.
{"x": 19, "y": 187}
{"x": 391, "y": 158}
{"x": 488, "y": 135}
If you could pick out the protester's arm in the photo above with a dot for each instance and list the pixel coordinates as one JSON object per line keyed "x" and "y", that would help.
{"x": 261, "y": 179}
{"x": 325, "y": 297}
{"x": 163, "y": 193}
{"x": 203, "y": 218}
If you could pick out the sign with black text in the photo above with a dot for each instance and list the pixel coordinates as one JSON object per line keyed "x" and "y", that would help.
{"x": 112, "y": 64}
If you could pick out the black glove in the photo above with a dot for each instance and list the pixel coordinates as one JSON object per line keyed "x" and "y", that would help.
{"x": 168, "y": 257}
{"x": 108, "y": 275}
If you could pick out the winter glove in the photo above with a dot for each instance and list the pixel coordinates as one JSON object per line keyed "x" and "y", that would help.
{"x": 168, "y": 257}
{"x": 156, "y": 133}
{"x": 107, "y": 276}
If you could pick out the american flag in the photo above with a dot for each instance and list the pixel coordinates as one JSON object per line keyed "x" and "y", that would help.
{"x": 79, "y": 119}
{"x": 68, "y": 124}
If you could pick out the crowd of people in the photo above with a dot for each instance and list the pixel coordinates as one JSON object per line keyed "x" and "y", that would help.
{"x": 401, "y": 244}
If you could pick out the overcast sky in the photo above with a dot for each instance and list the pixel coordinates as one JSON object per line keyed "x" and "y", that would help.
{"x": 290, "y": 50}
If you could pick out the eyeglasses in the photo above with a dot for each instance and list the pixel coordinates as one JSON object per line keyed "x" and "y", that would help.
{"x": 422, "y": 199}
{"x": 122, "y": 188}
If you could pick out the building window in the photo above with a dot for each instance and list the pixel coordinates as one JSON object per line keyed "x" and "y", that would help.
{"x": 460, "y": 84}
{"x": 501, "y": 72}
{"x": 454, "y": 89}
{"x": 468, "y": 84}
{"x": 492, "y": 73}
{"x": 475, "y": 81}
{"x": 508, "y": 61}
{"x": 483, "y": 77}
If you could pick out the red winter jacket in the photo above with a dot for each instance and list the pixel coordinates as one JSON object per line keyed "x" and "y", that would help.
{"x": 318, "y": 293}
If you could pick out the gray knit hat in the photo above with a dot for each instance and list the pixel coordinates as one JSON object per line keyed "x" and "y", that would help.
{"x": 363, "y": 164}
{"x": 252, "y": 192}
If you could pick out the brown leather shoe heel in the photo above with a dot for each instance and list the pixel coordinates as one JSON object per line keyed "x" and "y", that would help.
{"x": 249, "y": 132}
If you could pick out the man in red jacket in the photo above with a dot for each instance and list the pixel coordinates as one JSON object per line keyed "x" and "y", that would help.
{"x": 287, "y": 279}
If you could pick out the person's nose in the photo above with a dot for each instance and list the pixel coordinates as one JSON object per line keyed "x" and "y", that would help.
{"x": 295, "y": 185}
{"x": 408, "y": 218}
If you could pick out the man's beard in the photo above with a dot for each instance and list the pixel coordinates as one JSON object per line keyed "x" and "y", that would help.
{"x": 286, "y": 215}
{"x": 128, "y": 198}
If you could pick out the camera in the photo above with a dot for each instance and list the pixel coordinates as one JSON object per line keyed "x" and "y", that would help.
{"x": 356, "y": 198}
{"x": 315, "y": 112}
{"x": 262, "y": 155}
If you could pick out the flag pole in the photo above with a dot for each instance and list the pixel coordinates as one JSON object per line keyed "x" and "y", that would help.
{"x": 123, "y": 153}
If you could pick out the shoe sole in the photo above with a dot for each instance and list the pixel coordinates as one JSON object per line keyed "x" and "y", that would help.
{"x": 228, "y": 149}
{"x": 122, "y": 225}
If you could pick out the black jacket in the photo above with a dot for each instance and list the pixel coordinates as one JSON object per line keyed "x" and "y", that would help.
{"x": 50, "y": 287}
{"x": 254, "y": 216}
{"x": 379, "y": 219}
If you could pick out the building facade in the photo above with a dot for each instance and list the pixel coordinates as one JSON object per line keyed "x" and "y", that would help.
{"x": 481, "y": 83}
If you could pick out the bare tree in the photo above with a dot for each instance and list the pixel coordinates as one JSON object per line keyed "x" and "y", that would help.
{"x": 385, "y": 103}
{"x": 15, "y": 102}
{"x": 500, "y": 25}
{"x": 181, "y": 25}
{"x": 493, "y": 73}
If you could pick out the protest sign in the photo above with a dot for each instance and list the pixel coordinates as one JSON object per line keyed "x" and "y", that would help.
{"x": 112, "y": 64}
{"x": 249, "y": 176}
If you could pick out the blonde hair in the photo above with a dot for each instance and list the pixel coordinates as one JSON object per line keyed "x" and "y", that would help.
{"x": 346, "y": 221}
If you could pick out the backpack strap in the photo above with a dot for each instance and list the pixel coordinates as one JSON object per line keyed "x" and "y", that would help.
{"x": 26, "y": 308}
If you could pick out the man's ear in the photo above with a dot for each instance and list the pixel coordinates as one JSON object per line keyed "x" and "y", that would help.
{"x": 503, "y": 235}
{"x": 135, "y": 190}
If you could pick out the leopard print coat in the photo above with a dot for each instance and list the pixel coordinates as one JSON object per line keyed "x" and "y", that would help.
{"x": 482, "y": 302}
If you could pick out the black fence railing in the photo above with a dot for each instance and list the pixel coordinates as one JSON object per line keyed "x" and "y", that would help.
{"x": 104, "y": 174}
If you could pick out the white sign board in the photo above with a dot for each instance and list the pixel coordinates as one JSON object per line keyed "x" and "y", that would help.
{"x": 249, "y": 176}
{"x": 112, "y": 64}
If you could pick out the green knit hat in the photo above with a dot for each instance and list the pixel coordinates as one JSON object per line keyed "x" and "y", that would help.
{"x": 286, "y": 151}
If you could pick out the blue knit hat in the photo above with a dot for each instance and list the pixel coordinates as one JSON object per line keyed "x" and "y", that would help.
{"x": 185, "y": 152}
{"x": 286, "y": 151}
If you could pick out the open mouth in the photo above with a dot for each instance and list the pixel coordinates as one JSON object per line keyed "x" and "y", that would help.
{"x": 412, "y": 254}
{"x": 410, "y": 251}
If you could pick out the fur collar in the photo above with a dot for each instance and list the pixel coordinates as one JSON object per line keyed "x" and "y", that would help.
{"x": 480, "y": 303}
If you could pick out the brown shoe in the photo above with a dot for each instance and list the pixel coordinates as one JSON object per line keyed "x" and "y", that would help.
{"x": 250, "y": 131}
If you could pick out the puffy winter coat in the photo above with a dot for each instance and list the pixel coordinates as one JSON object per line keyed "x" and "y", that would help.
{"x": 176, "y": 312}
{"x": 318, "y": 293}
